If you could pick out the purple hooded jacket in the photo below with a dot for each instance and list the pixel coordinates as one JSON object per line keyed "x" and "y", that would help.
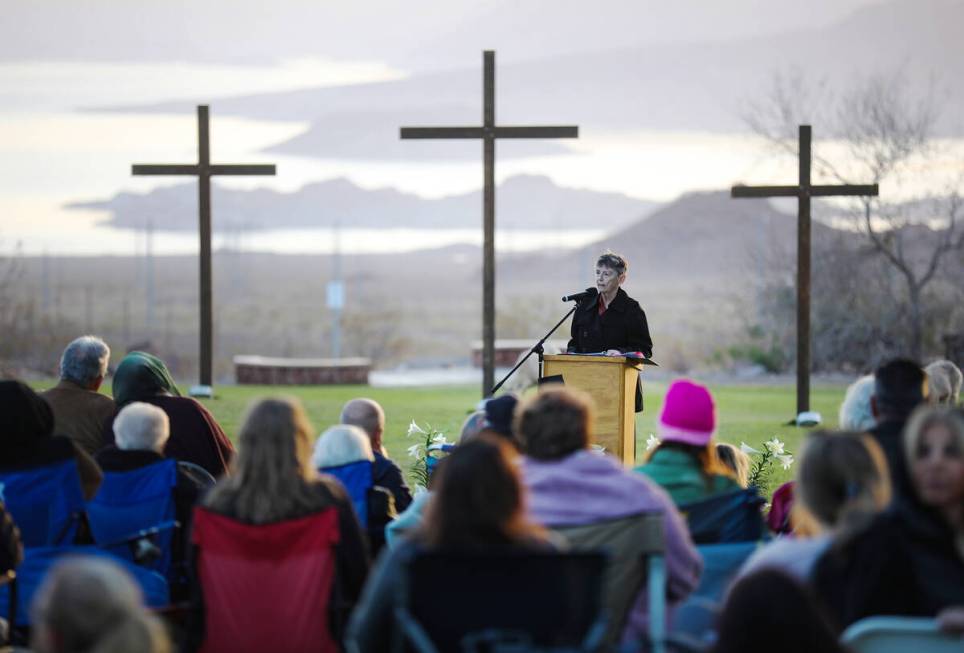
{"x": 587, "y": 487}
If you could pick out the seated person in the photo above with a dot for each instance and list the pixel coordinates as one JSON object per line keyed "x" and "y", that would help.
{"x": 196, "y": 436}
{"x": 909, "y": 559}
{"x": 856, "y": 410}
{"x": 79, "y": 409}
{"x": 91, "y": 604}
{"x": 272, "y": 480}
{"x": 736, "y": 461}
{"x": 685, "y": 462}
{"x": 944, "y": 379}
{"x": 27, "y": 437}
{"x": 771, "y": 611}
{"x": 344, "y": 451}
{"x": 570, "y": 485}
{"x": 841, "y": 484}
{"x": 369, "y": 416}
{"x": 477, "y": 508}
{"x": 140, "y": 433}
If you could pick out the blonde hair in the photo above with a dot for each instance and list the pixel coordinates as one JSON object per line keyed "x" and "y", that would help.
{"x": 271, "y": 476}
{"x": 923, "y": 418}
{"x": 90, "y": 604}
{"x": 842, "y": 482}
{"x": 737, "y": 462}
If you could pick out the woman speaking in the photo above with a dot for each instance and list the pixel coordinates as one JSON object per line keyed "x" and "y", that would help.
{"x": 611, "y": 322}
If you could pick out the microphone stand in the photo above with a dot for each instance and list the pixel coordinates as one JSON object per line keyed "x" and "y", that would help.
{"x": 538, "y": 349}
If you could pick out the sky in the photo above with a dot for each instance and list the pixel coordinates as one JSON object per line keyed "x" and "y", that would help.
{"x": 61, "y": 60}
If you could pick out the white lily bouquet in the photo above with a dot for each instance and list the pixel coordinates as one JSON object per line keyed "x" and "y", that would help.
{"x": 774, "y": 452}
{"x": 426, "y": 452}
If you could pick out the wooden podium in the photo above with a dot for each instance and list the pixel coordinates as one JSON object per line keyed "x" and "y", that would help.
{"x": 611, "y": 382}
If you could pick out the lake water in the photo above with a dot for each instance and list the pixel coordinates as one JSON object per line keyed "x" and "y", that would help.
{"x": 51, "y": 154}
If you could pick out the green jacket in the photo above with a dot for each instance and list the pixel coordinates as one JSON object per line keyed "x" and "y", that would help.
{"x": 679, "y": 474}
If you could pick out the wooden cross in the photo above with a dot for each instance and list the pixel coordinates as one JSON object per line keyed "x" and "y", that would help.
{"x": 204, "y": 170}
{"x": 488, "y": 132}
{"x": 803, "y": 192}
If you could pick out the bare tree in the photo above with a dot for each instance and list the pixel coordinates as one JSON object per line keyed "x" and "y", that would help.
{"x": 887, "y": 127}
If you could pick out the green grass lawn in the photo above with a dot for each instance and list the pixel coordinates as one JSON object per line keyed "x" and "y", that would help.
{"x": 750, "y": 414}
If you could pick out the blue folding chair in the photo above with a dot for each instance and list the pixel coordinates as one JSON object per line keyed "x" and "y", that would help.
{"x": 132, "y": 514}
{"x": 886, "y": 634}
{"x": 358, "y": 479}
{"x": 730, "y": 517}
{"x": 37, "y": 563}
{"x": 46, "y": 503}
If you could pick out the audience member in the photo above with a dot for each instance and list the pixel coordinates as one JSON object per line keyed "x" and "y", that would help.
{"x": 899, "y": 387}
{"x": 344, "y": 451}
{"x": 272, "y": 480}
{"x": 27, "y": 439}
{"x": 771, "y": 611}
{"x": 910, "y": 559}
{"x": 569, "y": 485}
{"x": 92, "y": 605}
{"x": 477, "y": 507}
{"x": 141, "y": 432}
{"x": 856, "y": 411}
{"x": 944, "y": 379}
{"x": 841, "y": 483}
{"x": 685, "y": 463}
{"x": 498, "y": 417}
{"x": 79, "y": 409}
{"x": 369, "y": 416}
{"x": 472, "y": 426}
{"x": 196, "y": 436}
{"x": 11, "y": 549}
{"x": 736, "y": 461}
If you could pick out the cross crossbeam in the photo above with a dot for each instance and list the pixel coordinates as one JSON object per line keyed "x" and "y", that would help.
{"x": 488, "y": 133}
{"x": 803, "y": 191}
{"x": 204, "y": 170}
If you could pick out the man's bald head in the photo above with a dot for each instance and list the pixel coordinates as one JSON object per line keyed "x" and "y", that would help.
{"x": 368, "y": 416}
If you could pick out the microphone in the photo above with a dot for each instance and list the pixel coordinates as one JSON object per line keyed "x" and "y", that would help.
{"x": 579, "y": 296}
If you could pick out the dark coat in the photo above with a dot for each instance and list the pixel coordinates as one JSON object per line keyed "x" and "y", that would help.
{"x": 623, "y": 326}
{"x": 888, "y": 435}
{"x": 388, "y": 475}
{"x": 904, "y": 563}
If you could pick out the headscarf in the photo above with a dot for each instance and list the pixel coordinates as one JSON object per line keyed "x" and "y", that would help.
{"x": 141, "y": 375}
{"x": 25, "y": 416}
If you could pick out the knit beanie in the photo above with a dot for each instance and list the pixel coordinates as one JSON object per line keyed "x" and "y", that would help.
{"x": 688, "y": 414}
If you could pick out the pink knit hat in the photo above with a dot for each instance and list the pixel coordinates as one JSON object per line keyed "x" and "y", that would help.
{"x": 688, "y": 414}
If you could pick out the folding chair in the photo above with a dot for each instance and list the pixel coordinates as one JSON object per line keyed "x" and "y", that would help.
{"x": 46, "y": 503}
{"x": 634, "y": 546}
{"x": 132, "y": 514}
{"x": 16, "y": 597}
{"x": 899, "y": 635}
{"x": 266, "y": 587}
{"x": 731, "y": 517}
{"x": 507, "y": 602}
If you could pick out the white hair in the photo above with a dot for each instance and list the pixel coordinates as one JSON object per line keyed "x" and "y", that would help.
{"x": 364, "y": 413}
{"x": 944, "y": 379}
{"x": 141, "y": 426}
{"x": 340, "y": 445}
{"x": 855, "y": 411}
{"x": 84, "y": 360}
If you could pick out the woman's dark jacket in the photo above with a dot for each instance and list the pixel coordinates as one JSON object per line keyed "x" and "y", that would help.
{"x": 904, "y": 563}
{"x": 622, "y": 326}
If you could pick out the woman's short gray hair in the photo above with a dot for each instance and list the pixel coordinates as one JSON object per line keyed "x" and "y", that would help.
{"x": 84, "y": 360}
{"x": 855, "y": 411}
{"x": 340, "y": 445}
{"x": 613, "y": 261}
{"x": 141, "y": 426}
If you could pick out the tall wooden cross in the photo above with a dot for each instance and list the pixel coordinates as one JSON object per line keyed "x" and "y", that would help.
{"x": 803, "y": 191}
{"x": 488, "y": 132}
{"x": 204, "y": 170}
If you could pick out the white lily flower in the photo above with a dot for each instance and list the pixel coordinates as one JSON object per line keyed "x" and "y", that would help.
{"x": 748, "y": 450}
{"x": 414, "y": 428}
{"x": 414, "y": 450}
{"x": 439, "y": 438}
{"x": 785, "y": 459}
{"x": 774, "y": 445}
{"x": 652, "y": 442}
